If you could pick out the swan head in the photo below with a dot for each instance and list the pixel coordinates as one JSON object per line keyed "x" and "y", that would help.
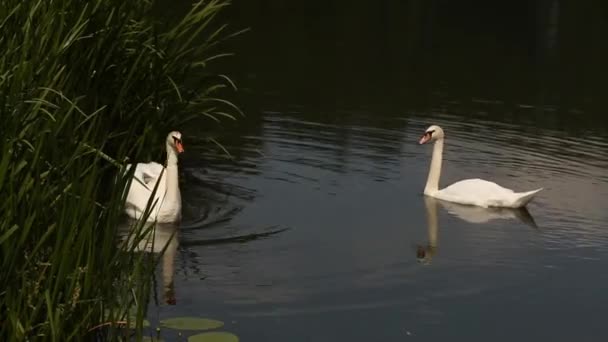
{"x": 174, "y": 140}
{"x": 433, "y": 133}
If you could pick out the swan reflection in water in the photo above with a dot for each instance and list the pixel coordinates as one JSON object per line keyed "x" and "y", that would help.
{"x": 471, "y": 214}
{"x": 162, "y": 238}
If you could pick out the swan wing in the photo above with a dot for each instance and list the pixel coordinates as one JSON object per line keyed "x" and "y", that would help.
{"x": 139, "y": 194}
{"x": 151, "y": 169}
{"x": 483, "y": 193}
{"x": 148, "y": 173}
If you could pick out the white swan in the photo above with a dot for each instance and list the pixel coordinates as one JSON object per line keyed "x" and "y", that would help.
{"x": 469, "y": 191}
{"x": 167, "y": 203}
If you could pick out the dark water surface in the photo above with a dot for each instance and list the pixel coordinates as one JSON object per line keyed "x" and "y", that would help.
{"x": 337, "y": 96}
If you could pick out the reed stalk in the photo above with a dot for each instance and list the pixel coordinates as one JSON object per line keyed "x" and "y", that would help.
{"x": 86, "y": 86}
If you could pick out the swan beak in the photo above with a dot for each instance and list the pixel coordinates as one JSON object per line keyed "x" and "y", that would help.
{"x": 179, "y": 146}
{"x": 425, "y": 138}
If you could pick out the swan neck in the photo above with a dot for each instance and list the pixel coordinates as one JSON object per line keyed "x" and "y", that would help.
{"x": 172, "y": 175}
{"x": 171, "y": 156}
{"x": 432, "y": 182}
{"x": 172, "y": 198}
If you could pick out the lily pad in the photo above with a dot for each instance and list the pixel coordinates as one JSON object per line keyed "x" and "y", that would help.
{"x": 191, "y": 323}
{"x": 214, "y": 336}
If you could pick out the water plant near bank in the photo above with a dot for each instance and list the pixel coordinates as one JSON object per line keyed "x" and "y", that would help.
{"x": 86, "y": 86}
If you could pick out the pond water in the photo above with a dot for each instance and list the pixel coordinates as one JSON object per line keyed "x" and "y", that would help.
{"x": 335, "y": 103}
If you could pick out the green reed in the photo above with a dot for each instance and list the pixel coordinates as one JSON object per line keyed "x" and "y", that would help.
{"x": 84, "y": 87}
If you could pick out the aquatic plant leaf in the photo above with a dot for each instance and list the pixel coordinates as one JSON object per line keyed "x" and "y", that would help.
{"x": 214, "y": 336}
{"x": 191, "y": 323}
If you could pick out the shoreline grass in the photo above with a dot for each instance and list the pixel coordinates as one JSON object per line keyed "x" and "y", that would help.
{"x": 86, "y": 86}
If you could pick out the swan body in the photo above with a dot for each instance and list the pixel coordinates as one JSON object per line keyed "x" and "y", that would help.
{"x": 166, "y": 205}
{"x": 477, "y": 192}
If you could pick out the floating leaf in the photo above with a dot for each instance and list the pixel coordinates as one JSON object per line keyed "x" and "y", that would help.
{"x": 214, "y": 336}
{"x": 191, "y": 323}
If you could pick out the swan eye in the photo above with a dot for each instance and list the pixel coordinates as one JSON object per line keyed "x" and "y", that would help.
{"x": 176, "y": 140}
{"x": 430, "y": 133}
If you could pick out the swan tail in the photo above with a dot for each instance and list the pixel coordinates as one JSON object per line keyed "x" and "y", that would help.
{"x": 524, "y": 198}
